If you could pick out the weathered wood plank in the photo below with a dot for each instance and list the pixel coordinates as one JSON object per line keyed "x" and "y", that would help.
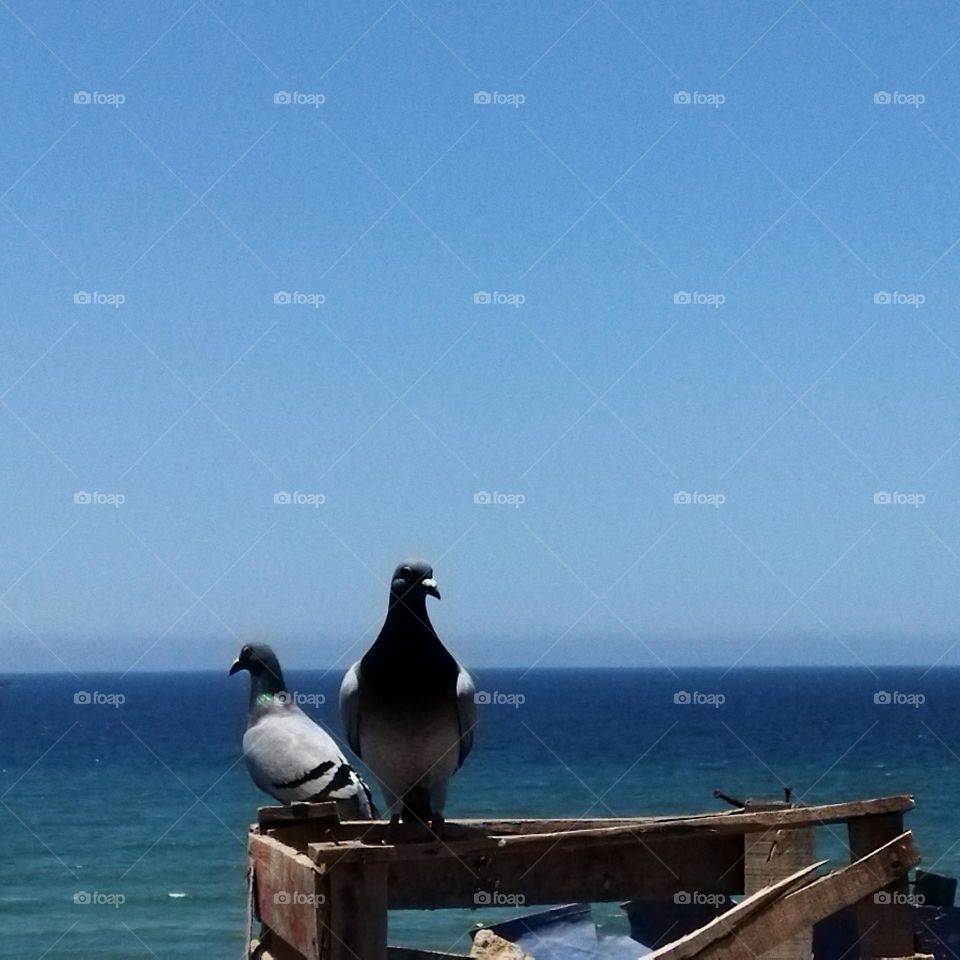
{"x": 763, "y": 929}
{"x": 724, "y": 924}
{"x": 289, "y": 899}
{"x": 734, "y": 820}
{"x": 501, "y": 836}
{"x": 883, "y": 919}
{"x": 770, "y": 856}
{"x": 357, "y": 897}
{"x": 636, "y": 868}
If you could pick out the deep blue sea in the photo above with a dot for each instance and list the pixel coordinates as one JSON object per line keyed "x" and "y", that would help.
{"x": 139, "y": 809}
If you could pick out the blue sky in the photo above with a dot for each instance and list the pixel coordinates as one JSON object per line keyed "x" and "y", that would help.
{"x": 587, "y": 201}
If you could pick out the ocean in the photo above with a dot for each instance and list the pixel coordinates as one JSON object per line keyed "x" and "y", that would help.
{"x": 126, "y": 801}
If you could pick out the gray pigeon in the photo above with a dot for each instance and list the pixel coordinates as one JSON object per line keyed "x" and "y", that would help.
{"x": 288, "y": 755}
{"x": 407, "y": 706}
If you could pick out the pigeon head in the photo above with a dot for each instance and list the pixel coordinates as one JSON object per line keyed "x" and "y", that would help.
{"x": 412, "y": 582}
{"x": 261, "y": 663}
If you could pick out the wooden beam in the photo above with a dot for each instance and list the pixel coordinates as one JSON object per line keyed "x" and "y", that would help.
{"x": 757, "y": 931}
{"x": 357, "y": 897}
{"x": 770, "y": 856}
{"x": 553, "y": 873}
{"x": 289, "y": 899}
{"x": 517, "y": 834}
{"x": 884, "y": 921}
{"x": 737, "y": 820}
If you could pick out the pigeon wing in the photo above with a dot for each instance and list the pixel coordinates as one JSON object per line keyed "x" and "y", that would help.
{"x": 350, "y": 707}
{"x": 466, "y": 713}
{"x": 292, "y": 758}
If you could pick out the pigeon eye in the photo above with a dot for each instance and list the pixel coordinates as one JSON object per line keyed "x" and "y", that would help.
{"x": 245, "y": 652}
{"x": 406, "y": 571}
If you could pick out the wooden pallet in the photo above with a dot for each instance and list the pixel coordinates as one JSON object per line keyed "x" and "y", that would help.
{"x": 322, "y": 889}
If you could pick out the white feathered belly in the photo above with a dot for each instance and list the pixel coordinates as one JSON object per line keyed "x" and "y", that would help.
{"x": 403, "y": 748}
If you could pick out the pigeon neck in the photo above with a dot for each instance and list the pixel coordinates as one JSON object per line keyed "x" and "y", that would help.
{"x": 265, "y": 685}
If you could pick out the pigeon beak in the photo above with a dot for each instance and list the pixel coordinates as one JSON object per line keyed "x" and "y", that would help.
{"x": 236, "y": 667}
{"x": 430, "y": 586}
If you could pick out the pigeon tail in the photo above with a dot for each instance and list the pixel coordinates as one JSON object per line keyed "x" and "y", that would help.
{"x": 416, "y": 805}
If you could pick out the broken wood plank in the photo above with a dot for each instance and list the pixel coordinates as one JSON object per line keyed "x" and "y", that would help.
{"x": 722, "y": 925}
{"x": 760, "y": 930}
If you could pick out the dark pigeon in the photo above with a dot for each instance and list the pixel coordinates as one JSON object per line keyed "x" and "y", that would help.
{"x": 408, "y": 707}
{"x": 288, "y": 755}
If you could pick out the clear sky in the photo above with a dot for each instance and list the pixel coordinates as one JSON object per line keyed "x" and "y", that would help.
{"x": 629, "y": 156}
